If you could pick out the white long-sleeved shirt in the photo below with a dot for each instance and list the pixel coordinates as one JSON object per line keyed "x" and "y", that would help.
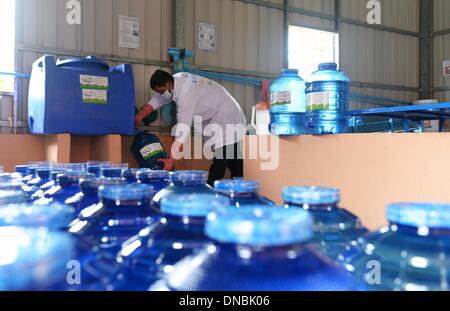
{"x": 208, "y": 104}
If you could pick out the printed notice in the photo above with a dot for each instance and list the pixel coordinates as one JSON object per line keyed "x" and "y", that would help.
{"x": 280, "y": 98}
{"x": 207, "y": 37}
{"x": 93, "y": 82}
{"x": 446, "y": 66}
{"x": 151, "y": 150}
{"x": 129, "y": 35}
{"x": 92, "y": 96}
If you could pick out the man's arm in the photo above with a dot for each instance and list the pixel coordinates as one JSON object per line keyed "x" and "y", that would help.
{"x": 142, "y": 114}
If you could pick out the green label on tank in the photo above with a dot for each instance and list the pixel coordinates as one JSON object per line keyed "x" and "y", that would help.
{"x": 318, "y": 101}
{"x": 94, "y": 82}
{"x": 280, "y": 98}
{"x": 92, "y": 96}
{"x": 151, "y": 150}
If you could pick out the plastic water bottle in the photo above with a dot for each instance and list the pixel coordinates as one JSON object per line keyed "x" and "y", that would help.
{"x": 287, "y": 104}
{"x": 22, "y": 169}
{"x": 130, "y": 175}
{"x": 151, "y": 254}
{"x": 67, "y": 186}
{"x": 184, "y": 182}
{"x": 335, "y": 229}
{"x": 10, "y": 181}
{"x": 33, "y": 258}
{"x": 328, "y": 96}
{"x": 147, "y": 150}
{"x": 12, "y": 197}
{"x": 257, "y": 249}
{"x": 88, "y": 196}
{"x": 411, "y": 254}
{"x": 52, "y": 182}
{"x": 242, "y": 192}
{"x": 157, "y": 179}
{"x": 43, "y": 175}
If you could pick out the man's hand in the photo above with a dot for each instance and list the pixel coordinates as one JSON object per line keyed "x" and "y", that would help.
{"x": 137, "y": 122}
{"x": 168, "y": 163}
{"x": 141, "y": 115}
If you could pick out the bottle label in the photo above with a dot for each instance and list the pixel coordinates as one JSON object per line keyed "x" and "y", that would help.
{"x": 280, "y": 98}
{"x": 151, "y": 150}
{"x": 318, "y": 101}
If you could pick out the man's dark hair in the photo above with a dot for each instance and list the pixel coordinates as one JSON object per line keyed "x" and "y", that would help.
{"x": 160, "y": 78}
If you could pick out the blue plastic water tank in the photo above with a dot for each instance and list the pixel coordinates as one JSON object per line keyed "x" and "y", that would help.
{"x": 287, "y": 104}
{"x": 328, "y": 96}
{"x": 147, "y": 150}
{"x": 184, "y": 182}
{"x": 242, "y": 192}
{"x": 151, "y": 254}
{"x": 411, "y": 254}
{"x": 335, "y": 229}
{"x": 257, "y": 249}
{"x": 80, "y": 96}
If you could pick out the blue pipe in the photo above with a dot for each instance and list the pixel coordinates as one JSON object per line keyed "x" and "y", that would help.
{"x": 16, "y": 74}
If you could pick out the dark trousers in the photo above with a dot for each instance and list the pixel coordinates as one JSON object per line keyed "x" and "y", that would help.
{"x": 227, "y": 157}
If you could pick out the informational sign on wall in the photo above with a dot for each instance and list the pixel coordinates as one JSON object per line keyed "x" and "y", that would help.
{"x": 207, "y": 37}
{"x": 446, "y": 67}
{"x": 129, "y": 35}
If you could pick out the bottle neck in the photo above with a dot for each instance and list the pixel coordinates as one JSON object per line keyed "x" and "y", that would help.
{"x": 128, "y": 205}
{"x": 187, "y": 223}
{"x": 190, "y": 183}
{"x": 238, "y": 195}
{"x": 315, "y": 207}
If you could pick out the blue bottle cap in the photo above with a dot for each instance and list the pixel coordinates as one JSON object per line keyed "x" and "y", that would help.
{"x": 135, "y": 192}
{"x": 435, "y": 216}
{"x": 311, "y": 195}
{"x": 10, "y": 181}
{"x": 69, "y": 178}
{"x": 288, "y": 71}
{"x": 12, "y": 197}
{"x": 237, "y": 186}
{"x": 93, "y": 184}
{"x": 43, "y": 173}
{"x": 328, "y": 66}
{"x": 32, "y": 170}
{"x": 159, "y": 175}
{"x": 22, "y": 169}
{"x": 193, "y": 205}
{"x": 55, "y": 174}
{"x": 188, "y": 176}
{"x": 33, "y": 258}
{"x": 260, "y": 226}
{"x": 111, "y": 171}
{"x": 54, "y": 216}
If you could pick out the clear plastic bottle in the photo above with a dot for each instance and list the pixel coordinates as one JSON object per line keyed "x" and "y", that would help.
{"x": 287, "y": 104}
{"x": 158, "y": 179}
{"x": 151, "y": 254}
{"x": 411, "y": 254}
{"x": 257, "y": 249}
{"x": 328, "y": 96}
{"x": 242, "y": 192}
{"x": 88, "y": 195}
{"x": 335, "y": 229}
{"x": 184, "y": 182}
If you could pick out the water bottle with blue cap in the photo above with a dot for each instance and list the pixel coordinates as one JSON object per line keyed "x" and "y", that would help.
{"x": 43, "y": 175}
{"x": 33, "y": 259}
{"x": 88, "y": 195}
{"x": 335, "y": 229}
{"x": 95, "y": 167}
{"x": 49, "y": 184}
{"x": 67, "y": 186}
{"x": 258, "y": 248}
{"x": 130, "y": 175}
{"x": 10, "y": 181}
{"x": 151, "y": 254}
{"x": 242, "y": 192}
{"x": 114, "y": 171}
{"x": 328, "y": 97}
{"x": 410, "y": 254}
{"x": 184, "y": 182}
{"x": 158, "y": 179}
{"x": 22, "y": 170}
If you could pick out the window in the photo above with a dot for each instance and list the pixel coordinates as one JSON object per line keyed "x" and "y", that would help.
{"x": 7, "y": 42}
{"x": 310, "y": 47}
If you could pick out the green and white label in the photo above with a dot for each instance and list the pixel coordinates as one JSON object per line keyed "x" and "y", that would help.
{"x": 94, "y": 82}
{"x": 91, "y": 96}
{"x": 281, "y": 98}
{"x": 151, "y": 150}
{"x": 318, "y": 101}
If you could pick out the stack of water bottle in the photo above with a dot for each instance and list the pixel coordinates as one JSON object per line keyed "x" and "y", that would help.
{"x": 101, "y": 226}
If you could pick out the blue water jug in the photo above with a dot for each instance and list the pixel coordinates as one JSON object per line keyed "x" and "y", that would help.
{"x": 257, "y": 249}
{"x": 36, "y": 258}
{"x": 43, "y": 175}
{"x": 96, "y": 167}
{"x": 411, "y": 254}
{"x": 88, "y": 195}
{"x": 287, "y": 104}
{"x": 82, "y": 97}
{"x": 67, "y": 186}
{"x": 328, "y": 96}
{"x": 147, "y": 150}
{"x": 122, "y": 212}
{"x": 49, "y": 184}
{"x": 12, "y": 197}
{"x": 157, "y": 179}
{"x": 242, "y": 192}
{"x": 151, "y": 254}
{"x": 22, "y": 170}
{"x": 111, "y": 172}
{"x": 335, "y": 229}
{"x": 10, "y": 181}
{"x": 184, "y": 182}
